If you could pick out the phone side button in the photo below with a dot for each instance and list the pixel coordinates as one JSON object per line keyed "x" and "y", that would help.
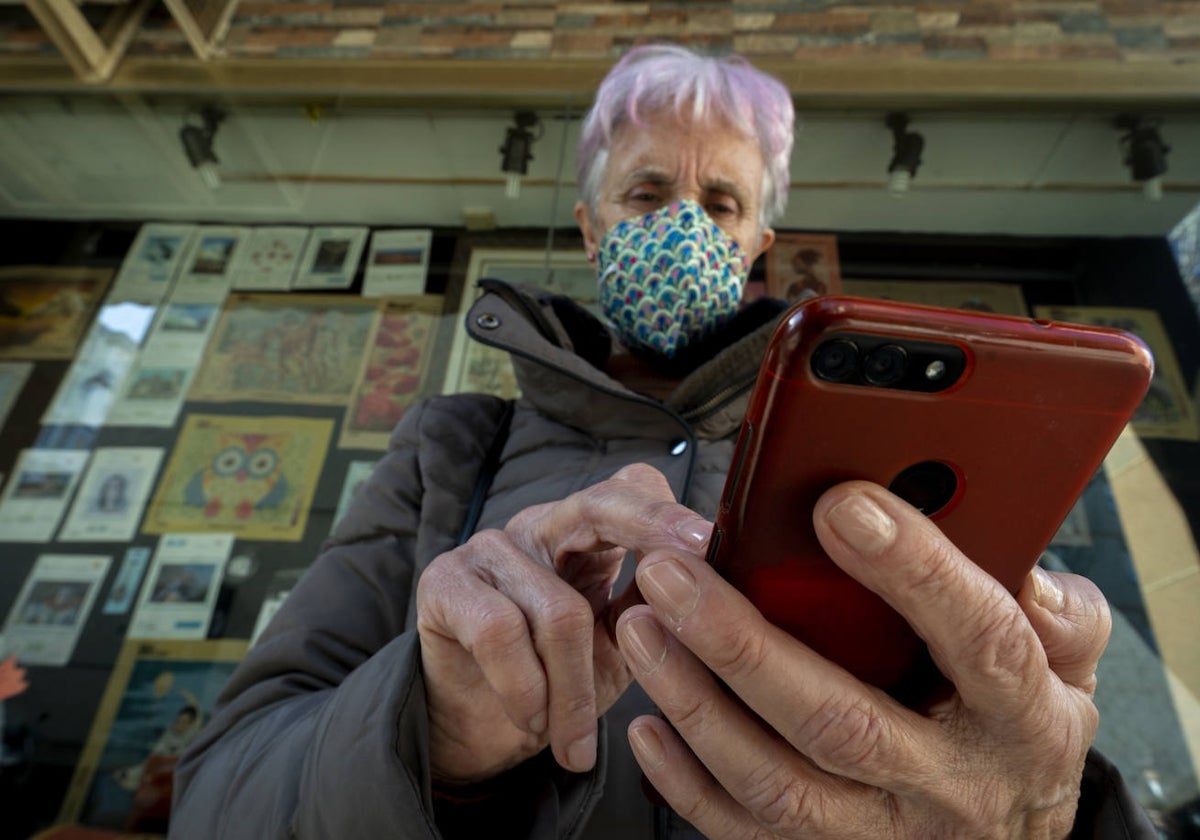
{"x": 714, "y": 545}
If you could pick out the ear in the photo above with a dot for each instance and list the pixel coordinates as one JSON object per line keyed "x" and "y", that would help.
{"x": 765, "y": 241}
{"x": 583, "y": 217}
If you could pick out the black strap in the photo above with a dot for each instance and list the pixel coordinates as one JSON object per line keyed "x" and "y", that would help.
{"x": 487, "y": 472}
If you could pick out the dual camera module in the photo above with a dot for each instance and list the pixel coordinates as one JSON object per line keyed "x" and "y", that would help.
{"x": 888, "y": 362}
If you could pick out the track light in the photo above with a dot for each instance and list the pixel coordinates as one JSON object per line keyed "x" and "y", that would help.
{"x": 906, "y": 154}
{"x": 516, "y": 150}
{"x": 197, "y": 135}
{"x": 1145, "y": 153}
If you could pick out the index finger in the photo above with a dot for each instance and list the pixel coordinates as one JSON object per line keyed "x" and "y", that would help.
{"x": 976, "y": 632}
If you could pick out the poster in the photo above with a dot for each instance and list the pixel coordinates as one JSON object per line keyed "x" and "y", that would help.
{"x": 1167, "y": 410}
{"x": 1001, "y": 298}
{"x": 98, "y": 373}
{"x": 397, "y": 262}
{"x": 270, "y": 259}
{"x": 287, "y": 348}
{"x": 112, "y": 495}
{"x": 394, "y": 372}
{"x": 803, "y": 265}
{"x": 129, "y": 578}
{"x": 158, "y": 698}
{"x": 52, "y": 607}
{"x": 281, "y": 585}
{"x": 251, "y": 476}
{"x": 152, "y": 263}
{"x": 38, "y": 492}
{"x": 331, "y": 258}
{"x": 45, "y": 311}
{"x": 181, "y": 587}
{"x": 208, "y": 268}
{"x": 356, "y": 474}
{"x": 13, "y": 376}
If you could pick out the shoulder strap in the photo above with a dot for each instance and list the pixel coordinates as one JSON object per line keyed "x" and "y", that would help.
{"x": 487, "y": 472}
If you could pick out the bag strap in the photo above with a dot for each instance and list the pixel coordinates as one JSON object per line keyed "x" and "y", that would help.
{"x": 487, "y": 472}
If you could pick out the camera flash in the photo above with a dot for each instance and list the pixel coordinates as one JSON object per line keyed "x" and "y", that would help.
{"x": 935, "y": 370}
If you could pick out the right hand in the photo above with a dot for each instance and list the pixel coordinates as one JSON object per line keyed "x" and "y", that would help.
{"x": 516, "y": 626}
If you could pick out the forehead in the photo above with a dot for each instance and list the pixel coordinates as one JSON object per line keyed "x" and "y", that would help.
{"x": 713, "y": 149}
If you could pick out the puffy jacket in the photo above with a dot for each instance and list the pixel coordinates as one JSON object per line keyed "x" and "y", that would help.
{"x": 322, "y": 730}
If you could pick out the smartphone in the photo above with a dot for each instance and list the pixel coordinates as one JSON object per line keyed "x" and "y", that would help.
{"x": 991, "y": 425}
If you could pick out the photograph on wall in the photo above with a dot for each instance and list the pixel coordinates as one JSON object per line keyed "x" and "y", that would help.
{"x": 181, "y": 586}
{"x": 13, "y": 376}
{"x": 270, "y": 259}
{"x": 112, "y": 495}
{"x": 1167, "y": 410}
{"x": 356, "y": 474}
{"x": 153, "y": 262}
{"x": 250, "y": 476}
{"x": 52, "y": 607}
{"x": 37, "y": 493}
{"x": 1184, "y": 240}
{"x": 287, "y": 348}
{"x": 397, "y": 262}
{"x": 98, "y": 374}
{"x": 159, "y": 696}
{"x": 331, "y": 258}
{"x": 208, "y": 268}
{"x": 44, "y": 311}
{"x": 1001, "y": 298}
{"x": 394, "y": 370}
{"x": 803, "y": 265}
{"x": 280, "y": 586}
{"x": 128, "y": 580}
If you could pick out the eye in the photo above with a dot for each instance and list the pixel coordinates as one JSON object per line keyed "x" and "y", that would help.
{"x": 263, "y": 463}
{"x": 228, "y": 461}
{"x": 723, "y": 207}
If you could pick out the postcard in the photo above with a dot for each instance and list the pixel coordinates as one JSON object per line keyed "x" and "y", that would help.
{"x": 1002, "y": 298}
{"x": 287, "y": 348}
{"x": 394, "y": 373}
{"x": 181, "y": 586}
{"x": 50, "y": 611}
{"x": 129, "y": 578}
{"x": 38, "y": 492}
{"x": 112, "y": 495}
{"x": 153, "y": 262}
{"x": 270, "y": 259}
{"x": 13, "y": 376}
{"x": 281, "y": 585}
{"x": 356, "y": 474}
{"x": 159, "y": 696}
{"x": 44, "y": 311}
{"x": 251, "y": 476}
{"x": 803, "y": 265}
{"x": 98, "y": 373}
{"x": 1167, "y": 410}
{"x": 397, "y": 262}
{"x": 331, "y": 259}
{"x": 208, "y": 268}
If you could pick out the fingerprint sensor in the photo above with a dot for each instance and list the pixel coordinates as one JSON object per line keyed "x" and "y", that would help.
{"x": 928, "y": 486}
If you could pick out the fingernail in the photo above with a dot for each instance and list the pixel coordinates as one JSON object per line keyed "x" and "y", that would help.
{"x": 1046, "y": 591}
{"x": 671, "y": 586}
{"x": 862, "y": 524}
{"x": 694, "y": 532}
{"x": 581, "y": 755}
{"x": 537, "y": 725}
{"x": 646, "y": 744}
{"x": 644, "y": 643}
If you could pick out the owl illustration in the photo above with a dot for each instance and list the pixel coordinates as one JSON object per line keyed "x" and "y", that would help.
{"x": 245, "y": 475}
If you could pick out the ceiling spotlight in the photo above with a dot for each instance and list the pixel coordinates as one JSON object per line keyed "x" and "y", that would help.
{"x": 906, "y": 154}
{"x": 1145, "y": 153}
{"x": 518, "y": 143}
{"x": 197, "y": 135}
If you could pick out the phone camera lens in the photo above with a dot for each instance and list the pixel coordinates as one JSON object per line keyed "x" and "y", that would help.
{"x": 835, "y": 360}
{"x": 885, "y": 365}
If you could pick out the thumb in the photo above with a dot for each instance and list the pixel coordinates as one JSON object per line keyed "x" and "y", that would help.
{"x": 1072, "y": 620}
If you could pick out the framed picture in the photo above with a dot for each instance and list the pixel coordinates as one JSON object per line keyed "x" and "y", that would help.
{"x": 250, "y": 476}
{"x": 158, "y": 698}
{"x": 803, "y": 265}
{"x": 1003, "y": 298}
{"x": 287, "y": 348}
{"x": 44, "y": 311}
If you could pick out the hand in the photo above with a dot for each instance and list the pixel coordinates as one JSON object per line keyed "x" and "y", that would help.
{"x": 797, "y": 747}
{"x": 516, "y": 626}
{"x": 12, "y": 678}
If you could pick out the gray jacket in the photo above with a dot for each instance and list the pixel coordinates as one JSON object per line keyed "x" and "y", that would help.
{"x": 322, "y": 731}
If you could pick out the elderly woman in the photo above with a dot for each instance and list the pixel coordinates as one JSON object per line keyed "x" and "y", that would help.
{"x": 465, "y": 659}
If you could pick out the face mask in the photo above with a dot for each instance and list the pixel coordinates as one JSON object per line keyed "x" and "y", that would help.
{"x": 670, "y": 278}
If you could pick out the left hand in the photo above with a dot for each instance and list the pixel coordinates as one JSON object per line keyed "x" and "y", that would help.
{"x": 805, "y": 750}
{"x": 12, "y": 678}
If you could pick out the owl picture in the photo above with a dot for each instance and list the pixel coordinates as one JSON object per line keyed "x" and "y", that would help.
{"x": 245, "y": 475}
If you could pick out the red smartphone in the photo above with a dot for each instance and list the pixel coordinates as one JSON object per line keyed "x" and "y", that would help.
{"x": 989, "y": 424}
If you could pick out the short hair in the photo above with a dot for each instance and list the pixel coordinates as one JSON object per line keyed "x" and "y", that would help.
{"x": 652, "y": 77}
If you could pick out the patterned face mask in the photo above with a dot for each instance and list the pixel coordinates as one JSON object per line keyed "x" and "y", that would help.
{"x": 670, "y": 278}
